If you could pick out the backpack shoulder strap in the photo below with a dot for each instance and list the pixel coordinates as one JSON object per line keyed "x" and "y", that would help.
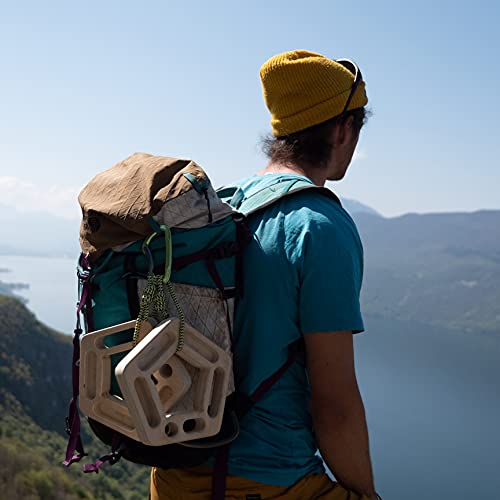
{"x": 268, "y": 195}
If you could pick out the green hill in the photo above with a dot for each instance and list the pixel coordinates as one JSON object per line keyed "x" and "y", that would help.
{"x": 35, "y": 387}
{"x": 441, "y": 269}
{"x": 11, "y": 288}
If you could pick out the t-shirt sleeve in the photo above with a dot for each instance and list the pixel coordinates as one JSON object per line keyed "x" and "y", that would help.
{"x": 330, "y": 275}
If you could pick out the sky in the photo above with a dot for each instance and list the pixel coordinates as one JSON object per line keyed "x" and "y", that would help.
{"x": 84, "y": 85}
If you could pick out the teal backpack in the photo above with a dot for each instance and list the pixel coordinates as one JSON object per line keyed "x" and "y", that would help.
{"x": 191, "y": 270}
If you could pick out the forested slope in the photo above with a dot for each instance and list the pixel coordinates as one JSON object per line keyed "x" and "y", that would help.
{"x": 35, "y": 388}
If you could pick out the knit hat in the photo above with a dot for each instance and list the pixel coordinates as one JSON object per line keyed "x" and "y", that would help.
{"x": 302, "y": 89}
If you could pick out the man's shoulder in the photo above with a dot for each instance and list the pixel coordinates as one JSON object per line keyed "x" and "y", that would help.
{"x": 316, "y": 208}
{"x": 307, "y": 210}
{"x": 315, "y": 224}
{"x": 313, "y": 200}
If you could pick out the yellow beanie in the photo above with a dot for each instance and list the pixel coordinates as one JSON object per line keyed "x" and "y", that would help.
{"x": 302, "y": 89}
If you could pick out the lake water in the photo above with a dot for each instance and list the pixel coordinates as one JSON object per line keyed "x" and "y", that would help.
{"x": 433, "y": 406}
{"x": 52, "y": 292}
{"x": 431, "y": 395}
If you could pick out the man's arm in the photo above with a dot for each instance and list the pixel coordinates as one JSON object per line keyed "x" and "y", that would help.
{"x": 337, "y": 410}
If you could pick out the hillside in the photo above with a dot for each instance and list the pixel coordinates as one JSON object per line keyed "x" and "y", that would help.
{"x": 443, "y": 269}
{"x": 34, "y": 392}
{"x": 11, "y": 288}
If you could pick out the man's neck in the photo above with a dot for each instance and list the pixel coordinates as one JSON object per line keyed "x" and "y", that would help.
{"x": 316, "y": 175}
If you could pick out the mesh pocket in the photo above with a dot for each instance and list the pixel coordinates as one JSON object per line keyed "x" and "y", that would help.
{"x": 204, "y": 310}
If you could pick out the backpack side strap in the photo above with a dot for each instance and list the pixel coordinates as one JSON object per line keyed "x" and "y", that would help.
{"x": 74, "y": 448}
{"x": 242, "y": 404}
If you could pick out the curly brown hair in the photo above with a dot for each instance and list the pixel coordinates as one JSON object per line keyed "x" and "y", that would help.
{"x": 310, "y": 147}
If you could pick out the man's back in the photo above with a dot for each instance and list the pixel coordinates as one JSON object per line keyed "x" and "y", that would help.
{"x": 302, "y": 274}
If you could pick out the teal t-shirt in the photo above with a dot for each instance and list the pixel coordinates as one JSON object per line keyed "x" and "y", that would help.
{"x": 302, "y": 274}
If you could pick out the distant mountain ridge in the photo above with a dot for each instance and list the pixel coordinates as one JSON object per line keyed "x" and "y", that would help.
{"x": 444, "y": 268}
{"x": 355, "y": 207}
{"x": 37, "y": 233}
{"x": 40, "y": 234}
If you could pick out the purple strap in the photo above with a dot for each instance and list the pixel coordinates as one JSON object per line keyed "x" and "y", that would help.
{"x": 87, "y": 468}
{"x": 75, "y": 458}
{"x": 222, "y": 457}
{"x": 222, "y": 251}
{"x": 87, "y": 301}
{"x": 73, "y": 422}
{"x": 112, "y": 457}
{"x": 269, "y": 382}
{"x": 212, "y": 270}
{"x": 220, "y": 473}
{"x": 74, "y": 449}
{"x": 214, "y": 274}
{"x": 83, "y": 298}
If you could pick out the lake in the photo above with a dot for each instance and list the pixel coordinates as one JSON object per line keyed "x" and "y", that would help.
{"x": 433, "y": 408}
{"x": 431, "y": 395}
{"x": 52, "y": 292}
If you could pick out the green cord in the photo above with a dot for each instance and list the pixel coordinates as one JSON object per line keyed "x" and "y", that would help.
{"x": 168, "y": 253}
{"x": 153, "y": 303}
{"x": 180, "y": 313}
{"x": 153, "y": 299}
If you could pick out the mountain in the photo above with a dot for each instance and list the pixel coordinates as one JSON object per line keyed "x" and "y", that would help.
{"x": 441, "y": 268}
{"x": 35, "y": 387}
{"x": 43, "y": 234}
{"x": 37, "y": 233}
{"x": 427, "y": 368}
{"x": 355, "y": 207}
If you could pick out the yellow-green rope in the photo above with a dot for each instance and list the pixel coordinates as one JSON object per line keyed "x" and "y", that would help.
{"x": 153, "y": 303}
{"x": 153, "y": 300}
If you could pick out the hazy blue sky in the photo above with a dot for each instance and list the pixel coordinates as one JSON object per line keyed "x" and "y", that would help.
{"x": 84, "y": 85}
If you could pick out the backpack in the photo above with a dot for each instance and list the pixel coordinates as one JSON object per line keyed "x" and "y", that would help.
{"x": 174, "y": 225}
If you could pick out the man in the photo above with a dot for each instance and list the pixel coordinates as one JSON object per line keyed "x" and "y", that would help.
{"x": 302, "y": 280}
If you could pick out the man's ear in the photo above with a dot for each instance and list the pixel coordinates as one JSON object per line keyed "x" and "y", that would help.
{"x": 343, "y": 132}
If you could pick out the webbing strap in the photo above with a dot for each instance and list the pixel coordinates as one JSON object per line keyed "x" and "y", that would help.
{"x": 74, "y": 450}
{"x": 111, "y": 457}
{"x": 220, "y": 473}
{"x": 214, "y": 274}
{"x": 89, "y": 316}
{"x": 293, "y": 351}
{"x": 222, "y": 251}
{"x": 222, "y": 455}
